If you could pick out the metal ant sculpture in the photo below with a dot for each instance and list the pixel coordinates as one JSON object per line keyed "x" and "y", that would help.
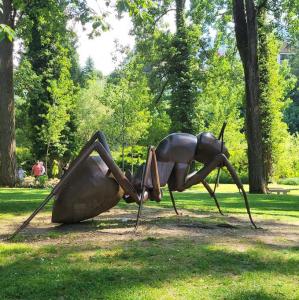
{"x": 95, "y": 184}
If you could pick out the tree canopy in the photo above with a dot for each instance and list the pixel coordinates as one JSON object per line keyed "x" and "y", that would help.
{"x": 190, "y": 79}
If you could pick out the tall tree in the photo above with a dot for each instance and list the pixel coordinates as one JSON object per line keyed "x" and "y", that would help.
{"x": 245, "y": 17}
{"x": 48, "y": 50}
{"x": 168, "y": 57}
{"x": 7, "y": 109}
{"x": 182, "y": 110}
{"x": 89, "y": 72}
{"x": 255, "y": 22}
{"x": 128, "y": 97}
{"x": 12, "y": 13}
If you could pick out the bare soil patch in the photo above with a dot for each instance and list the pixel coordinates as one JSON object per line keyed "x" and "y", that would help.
{"x": 117, "y": 225}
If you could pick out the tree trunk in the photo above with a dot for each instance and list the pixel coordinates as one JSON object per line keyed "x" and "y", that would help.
{"x": 265, "y": 97}
{"x": 246, "y": 36}
{"x": 47, "y": 158}
{"x": 7, "y": 111}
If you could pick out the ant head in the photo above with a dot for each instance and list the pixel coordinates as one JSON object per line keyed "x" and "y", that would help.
{"x": 208, "y": 146}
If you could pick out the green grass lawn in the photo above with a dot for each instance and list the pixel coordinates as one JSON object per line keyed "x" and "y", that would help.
{"x": 103, "y": 259}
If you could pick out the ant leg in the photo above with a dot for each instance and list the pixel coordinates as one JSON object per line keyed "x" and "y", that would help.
{"x": 145, "y": 176}
{"x": 200, "y": 175}
{"x": 156, "y": 193}
{"x": 212, "y": 194}
{"x": 173, "y": 201}
{"x": 239, "y": 184}
{"x": 219, "y": 160}
{"x": 97, "y": 136}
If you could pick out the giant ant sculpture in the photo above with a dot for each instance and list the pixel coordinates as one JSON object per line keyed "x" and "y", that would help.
{"x": 95, "y": 184}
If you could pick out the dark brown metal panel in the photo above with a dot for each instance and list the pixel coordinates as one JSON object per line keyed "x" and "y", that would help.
{"x": 208, "y": 147}
{"x": 177, "y": 147}
{"x": 88, "y": 193}
{"x": 164, "y": 171}
{"x": 178, "y": 176}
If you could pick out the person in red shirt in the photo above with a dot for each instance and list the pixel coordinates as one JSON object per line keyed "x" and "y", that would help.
{"x": 37, "y": 169}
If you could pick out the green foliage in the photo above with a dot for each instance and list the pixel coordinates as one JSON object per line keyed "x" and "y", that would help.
{"x": 24, "y": 158}
{"x": 6, "y": 32}
{"x": 129, "y": 99}
{"x": 91, "y": 113}
{"x": 226, "y": 178}
{"x": 292, "y": 111}
{"x": 274, "y": 86}
{"x": 160, "y": 126}
{"x": 42, "y": 181}
{"x": 221, "y": 100}
{"x": 27, "y": 86}
{"x": 287, "y": 163}
{"x": 89, "y": 72}
{"x": 189, "y": 81}
{"x": 46, "y": 65}
{"x": 134, "y": 156}
{"x": 181, "y": 79}
{"x": 61, "y": 93}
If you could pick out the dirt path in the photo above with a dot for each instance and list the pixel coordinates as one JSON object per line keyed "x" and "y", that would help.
{"x": 118, "y": 225}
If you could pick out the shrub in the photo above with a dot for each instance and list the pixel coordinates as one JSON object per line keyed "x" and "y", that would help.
{"x": 289, "y": 181}
{"x": 40, "y": 182}
{"x": 51, "y": 183}
{"x": 24, "y": 158}
{"x": 286, "y": 164}
{"x": 226, "y": 178}
{"x": 28, "y": 182}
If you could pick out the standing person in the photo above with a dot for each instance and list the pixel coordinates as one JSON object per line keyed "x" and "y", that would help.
{"x": 43, "y": 168}
{"x": 55, "y": 168}
{"x": 37, "y": 169}
{"x": 65, "y": 168}
{"x": 21, "y": 175}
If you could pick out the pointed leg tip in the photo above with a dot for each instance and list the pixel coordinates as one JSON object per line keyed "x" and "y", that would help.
{"x": 257, "y": 227}
{"x": 9, "y": 238}
{"x": 254, "y": 226}
{"x": 135, "y": 230}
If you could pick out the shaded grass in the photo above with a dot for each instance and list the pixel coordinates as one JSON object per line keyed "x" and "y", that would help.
{"x": 152, "y": 268}
{"x": 148, "y": 269}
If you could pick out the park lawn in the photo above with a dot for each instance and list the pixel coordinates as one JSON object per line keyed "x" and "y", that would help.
{"x": 164, "y": 260}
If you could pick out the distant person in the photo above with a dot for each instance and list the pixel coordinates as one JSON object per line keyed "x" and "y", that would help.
{"x": 43, "y": 167}
{"x": 65, "y": 168}
{"x": 55, "y": 168}
{"x": 37, "y": 169}
{"x": 21, "y": 174}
